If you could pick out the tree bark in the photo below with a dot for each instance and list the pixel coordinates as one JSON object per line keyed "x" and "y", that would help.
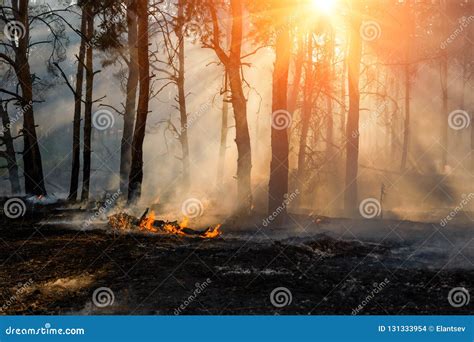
{"x": 9, "y": 154}
{"x": 183, "y": 137}
{"x": 136, "y": 170}
{"x": 32, "y": 162}
{"x": 223, "y": 141}
{"x": 407, "y": 70}
{"x": 130, "y": 102}
{"x": 86, "y": 171}
{"x": 444, "y": 127}
{"x": 306, "y": 112}
{"x": 279, "y": 167}
{"x": 76, "y": 126}
{"x": 352, "y": 131}
{"x": 295, "y": 87}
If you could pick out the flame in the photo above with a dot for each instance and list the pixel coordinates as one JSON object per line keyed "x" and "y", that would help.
{"x": 184, "y": 223}
{"x": 213, "y": 232}
{"x": 123, "y": 221}
{"x": 172, "y": 229}
{"x": 147, "y": 223}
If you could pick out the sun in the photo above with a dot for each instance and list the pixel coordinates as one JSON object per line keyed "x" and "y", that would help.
{"x": 324, "y": 6}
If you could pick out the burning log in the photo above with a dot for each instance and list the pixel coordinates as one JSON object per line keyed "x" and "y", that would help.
{"x": 148, "y": 223}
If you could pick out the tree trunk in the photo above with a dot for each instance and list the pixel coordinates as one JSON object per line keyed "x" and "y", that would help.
{"x": 182, "y": 96}
{"x": 239, "y": 104}
{"x": 306, "y": 112}
{"x": 444, "y": 127}
{"x": 9, "y": 153}
{"x": 130, "y": 102}
{"x": 86, "y": 171}
{"x": 223, "y": 143}
{"x": 329, "y": 104}
{"x": 136, "y": 170}
{"x": 32, "y": 163}
{"x": 295, "y": 87}
{"x": 407, "y": 70}
{"x": 76, "y": 139}
{"x": 352, "y": 131}
{"x": 279, "y": 167}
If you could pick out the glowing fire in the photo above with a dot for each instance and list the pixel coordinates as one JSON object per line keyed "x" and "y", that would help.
{"x": 147, "y": 223}
{"x": 213, "y": 232}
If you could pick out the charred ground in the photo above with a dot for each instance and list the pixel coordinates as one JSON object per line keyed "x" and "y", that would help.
{"x": 326, "y": 272}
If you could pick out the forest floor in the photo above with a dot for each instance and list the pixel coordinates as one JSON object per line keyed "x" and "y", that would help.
{"x": 331, "y": 266}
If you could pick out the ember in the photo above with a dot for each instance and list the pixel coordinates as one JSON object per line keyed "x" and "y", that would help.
{"x": 149, "y": 223}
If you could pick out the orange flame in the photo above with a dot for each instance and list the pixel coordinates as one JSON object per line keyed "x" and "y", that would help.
{"x": 213, "y": 232}
{"x": 147, "y": 223}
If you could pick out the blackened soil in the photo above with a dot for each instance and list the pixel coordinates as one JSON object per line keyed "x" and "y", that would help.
{"x": 50, "y": 269}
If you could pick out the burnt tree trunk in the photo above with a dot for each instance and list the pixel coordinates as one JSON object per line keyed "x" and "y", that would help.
{"x": 352, "y": 131}
{"x": 130, "y": 101}
{"x": 306, "y": 112}
{"x": 183, "y": 137}
{"x": 444, "y": 127}
{"x": 136, "y": 169}
{"x": 9, "y": 153}
{"x": 76, "y": 126}
{"x": 223, "y": 141}
{"x": 33, "y": 167}
{"x": 295, "y": 87}
{"x": 279, "y": 167}
{"x": 86, "y": 171}
{"x": 233, "y": 64}
{"x": 407, "y": 71}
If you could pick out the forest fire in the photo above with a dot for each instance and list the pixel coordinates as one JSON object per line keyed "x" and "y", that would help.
{"x": 149, "y": 223}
